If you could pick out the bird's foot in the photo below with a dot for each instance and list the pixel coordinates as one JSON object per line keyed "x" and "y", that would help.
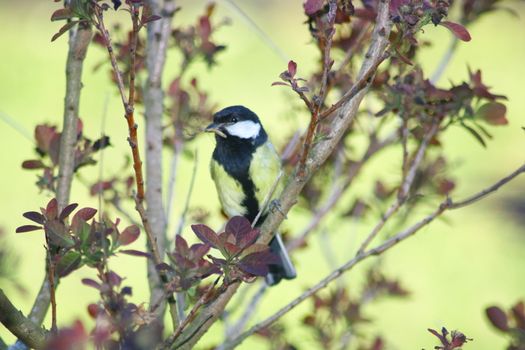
{"x": 275, "y": 206}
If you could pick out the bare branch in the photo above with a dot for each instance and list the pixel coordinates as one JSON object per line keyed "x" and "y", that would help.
{"x": 339, "y": 189}
{"x": 482, "y": 194}
{"x": 157, "y": 44}
{"x": 445, "y": 60}
{"x": 318, "y": 155}
{"x": 79, "y": 40}
{"x": 23, "y": 328}
{"x": 404, "y": 188}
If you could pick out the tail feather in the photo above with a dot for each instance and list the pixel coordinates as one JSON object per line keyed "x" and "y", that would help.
{"x": 285, "y": 268}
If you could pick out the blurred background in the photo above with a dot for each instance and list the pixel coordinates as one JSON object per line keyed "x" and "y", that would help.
{"x": 454, "y": 269}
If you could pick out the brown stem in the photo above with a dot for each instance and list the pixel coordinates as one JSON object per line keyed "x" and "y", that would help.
{"x": 133, "y": 139}
{"x": 327, "y": 65}
{"x": 191, "y": 316}
{"x": 23, "y": 328}
{"x": 318, "y": 155}
{"x": 52, "y": 291}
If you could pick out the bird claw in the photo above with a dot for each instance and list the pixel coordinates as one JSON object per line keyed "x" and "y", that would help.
{"x": 275, "y": 206}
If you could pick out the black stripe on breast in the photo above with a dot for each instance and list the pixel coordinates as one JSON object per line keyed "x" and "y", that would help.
{"x": 235, "y": 155}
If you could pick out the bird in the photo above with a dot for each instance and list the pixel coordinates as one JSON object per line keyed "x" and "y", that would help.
{"x": 244, "y": 167}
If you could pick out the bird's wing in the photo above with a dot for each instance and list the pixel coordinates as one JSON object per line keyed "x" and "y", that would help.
{"x": 229, "y": 190}
{"x": 264, "y": 171}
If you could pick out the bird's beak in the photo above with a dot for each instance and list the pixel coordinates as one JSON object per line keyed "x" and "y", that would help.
{"x": 215, "y": 128}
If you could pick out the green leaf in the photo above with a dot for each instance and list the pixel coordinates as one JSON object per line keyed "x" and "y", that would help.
{"x": 68, "y": 263}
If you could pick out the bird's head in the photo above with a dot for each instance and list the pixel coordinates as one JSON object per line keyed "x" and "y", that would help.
{"x": 236, "y": 122}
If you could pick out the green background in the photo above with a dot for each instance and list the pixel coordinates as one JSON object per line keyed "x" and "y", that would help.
{"x": 454, "y": 269}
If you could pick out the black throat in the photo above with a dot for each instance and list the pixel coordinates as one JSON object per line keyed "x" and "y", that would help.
{"x": 235, "y": 155}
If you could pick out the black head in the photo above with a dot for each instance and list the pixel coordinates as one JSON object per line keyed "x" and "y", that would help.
{"x": 236, "y": 124}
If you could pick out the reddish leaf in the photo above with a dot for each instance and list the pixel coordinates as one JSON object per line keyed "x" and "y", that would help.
{"x": 69, "y": 338}
{"x": 248, "y": 238}
{"x": 100, "y": 187}
{"x": 61, "y": 14}
{"x": 206, "y": 234}
{"x": 92, "y": 310}
{"x": 27, "y": 228}
{"x": 52, "y": 209}
{"x": 114, "y": 279}
{"x": 257, "y": 263}
{"x": 231, "y": 249}
{"x": 34, "y": 216}
{"x": 84, "y": 214}
{"x": 279, "y": 83}
{"x": 91, "y": 283}
{"x": 199, "y": 250}
{"x": 151, "y": 19}
{"x": 33, "y": 164}
{"x": 66, "y": 27}
{"x": 292, "y": 68}
{"x": 67, "y": 211}
{"x": 493, "y": 113}
{"x": 498, "y": 318}
{"x": 458, "y": 30}
{"x": 134, "y": 252}
{"x": 129, "y": 235}
{"x": 238, "y": 226}
{"x": 181, "y": 246}
{"x": 312, "y": 6}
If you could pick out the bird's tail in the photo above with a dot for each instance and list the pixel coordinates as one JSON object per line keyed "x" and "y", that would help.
{"x": 284, "y": 269}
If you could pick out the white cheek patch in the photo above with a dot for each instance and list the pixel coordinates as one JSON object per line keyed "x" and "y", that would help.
{"x": 245, "y": 129}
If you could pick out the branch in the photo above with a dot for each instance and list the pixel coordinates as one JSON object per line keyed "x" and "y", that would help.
{"x": 318, "y": 155}
{"x": 79, "y": 40}
{"x": 318, "y": 102}
{"x": 482, "y": 194}
{"x": 128, "y": 105}
{"x": 445, "y": 60}
{"x": 403, "y": 189}
{"x": 157, "y": 44}
{"x": 339, "y": 189}
{"x": 378, "y": 250}
{"x": 23, "y": 328}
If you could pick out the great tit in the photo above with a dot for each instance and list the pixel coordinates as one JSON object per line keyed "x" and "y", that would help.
{"x": 244, "y": 167}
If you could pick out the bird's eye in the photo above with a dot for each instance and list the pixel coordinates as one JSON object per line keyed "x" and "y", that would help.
{"x": 234, "y": 120}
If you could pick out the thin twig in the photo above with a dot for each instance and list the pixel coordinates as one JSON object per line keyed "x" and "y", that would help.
{"x": 403, "y": 189}
{"x": 445, "y": 60}
{"x": 318, "y": 103}
{"x": 191, "y": 316}
{"x": 249, "y": 311}
{"x": 264, "y": 37}
{"x": 267, "y": 198}
{"x": 181, "y": 296}
{"x": 339, "y": 189}
{"x": 182, "y": 219}
{"x": 133, "y": 140}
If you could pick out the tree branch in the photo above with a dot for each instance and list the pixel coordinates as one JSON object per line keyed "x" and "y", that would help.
{"x": 23, "y": 328}
{"x": 157, "y": 44}
{"x": 318, "y": 155}
{"x": 79, "y": 40}
{"x": 403, "y": 189}
{"x": 378, "y": 250}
